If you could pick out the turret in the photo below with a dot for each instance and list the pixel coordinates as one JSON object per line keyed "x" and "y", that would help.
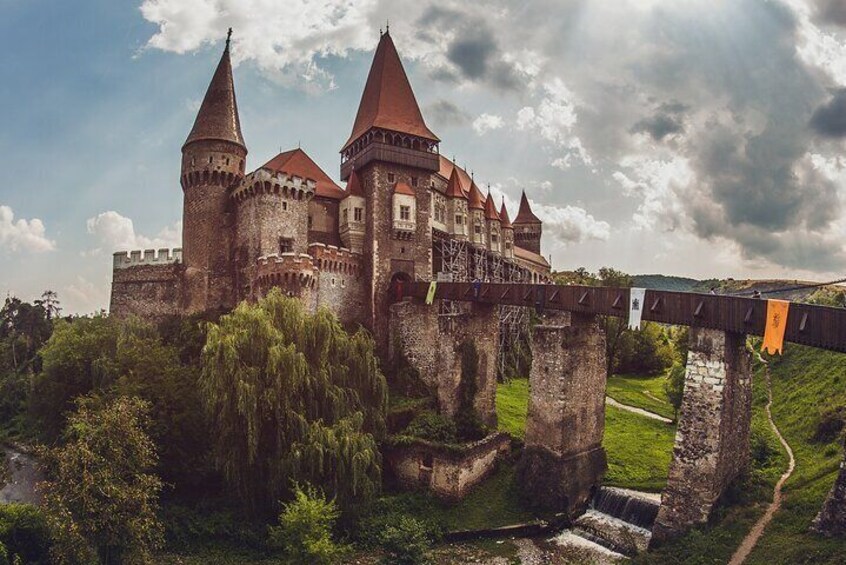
{"x": 507, "y": 232}
{"x": 213, "y": 161}
{"x": 492, "y": 225}
{"x": 353, "y": 213}
{"x": 476, "y": 211}
{"x": 456, "y": 220}
{"x": 527, "y": 227}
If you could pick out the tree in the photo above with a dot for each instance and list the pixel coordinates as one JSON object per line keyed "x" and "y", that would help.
{"x": 102, "y": 498}
{"x": 50, "y": 302}
{"x": 674, "y": 387}
{"x": 305, "y": 528}
{"x": 24, "y": 328}
{"x": 294, "y": 397}
{"x": 645, "y": 352}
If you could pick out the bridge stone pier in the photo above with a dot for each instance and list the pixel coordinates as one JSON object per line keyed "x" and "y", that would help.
{"x": 563, "y": 460}
{"x": 712, "y": 440}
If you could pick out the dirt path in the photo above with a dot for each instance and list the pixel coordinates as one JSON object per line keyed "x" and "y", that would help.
{"x": 634, "y": 409}
{"x": 755, "y": 533}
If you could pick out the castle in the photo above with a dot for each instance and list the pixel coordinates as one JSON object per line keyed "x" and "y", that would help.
{"x": 407, "y": 213}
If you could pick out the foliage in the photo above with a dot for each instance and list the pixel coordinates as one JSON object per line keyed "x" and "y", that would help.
{"x": 405, "y": 378}
{"x": 433, "y": 427}
{"x": 674, "y": 387}
{"x": 406, "y": 542}
{"x": 24, "y": 328}
{"x": 24, "y": 533}
{"x": 305, "y": 528}
{"x": 518, "y": 356}
{"x": 294, "y": 397}
{"x": 189, "y": 526}
{"x": 645, "y": 352}
{"x": 101, "y": 499}
{"x": 830, "y": 426}
{"x": 4, "y": 554}
{"x": 828, "y": 296}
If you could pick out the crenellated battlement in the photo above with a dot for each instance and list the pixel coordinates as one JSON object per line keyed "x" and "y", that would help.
{"x": 136, "y": 258}
{"x": 284, "y": 270}
{"x": 331, "y": 259}
{"x": 267, "y": 181}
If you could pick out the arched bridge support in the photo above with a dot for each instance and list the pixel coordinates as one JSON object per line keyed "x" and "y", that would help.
{"x": 712, "y": 439}
{"x": 563, "y": 460}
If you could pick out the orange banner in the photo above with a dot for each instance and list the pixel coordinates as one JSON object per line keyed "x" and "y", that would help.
{"x": 776, "y": 324}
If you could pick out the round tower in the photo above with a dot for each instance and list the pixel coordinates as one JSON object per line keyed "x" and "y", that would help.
{"x": 213, "y": 161}
{"x": 527, "y": 227}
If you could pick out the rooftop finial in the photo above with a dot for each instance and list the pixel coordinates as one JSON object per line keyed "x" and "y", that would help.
{"x": 387, "y": 25}
{"x": 228, "y": 37}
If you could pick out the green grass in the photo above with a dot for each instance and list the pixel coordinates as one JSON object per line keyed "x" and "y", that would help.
{"x": 638, "y": 448}
{"x": 641, "y": 392}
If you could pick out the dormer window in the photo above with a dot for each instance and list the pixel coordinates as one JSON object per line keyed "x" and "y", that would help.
{"x": 286, "y": 245}
{"x": 414, "y": 182}
{"x": 392, "y": 178}
{"x": 358, "y": 213}
{"x": 405, "y": 212}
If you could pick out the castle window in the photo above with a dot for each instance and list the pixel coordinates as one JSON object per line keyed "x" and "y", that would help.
{"x": 286, "y": 245}
{"x": 508, "y": 245}
{"x": 310, "y": 221}
{"x": 284, "y": 205}
{"x": 343, "y": 283}
{"x": 227, "y": 160}
{"x": 459, "y": 219}
{"x": 358, "y": 213}
{"x": 478, "y": 229}
{"x": 211, "y": 159}
{"x": 414, "y": 182}
{"x": 392, "y": 177}
{"x": 333, "y": 282}
{"x": 494, "y": 238}
{"x": 405, "y": 212}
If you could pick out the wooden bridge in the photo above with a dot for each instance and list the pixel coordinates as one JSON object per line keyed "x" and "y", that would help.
{"x": 817, "y": 326}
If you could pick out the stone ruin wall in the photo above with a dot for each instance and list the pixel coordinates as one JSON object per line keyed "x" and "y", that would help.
{"x": 433, "y": 351}
{"x": 147, "y": 285}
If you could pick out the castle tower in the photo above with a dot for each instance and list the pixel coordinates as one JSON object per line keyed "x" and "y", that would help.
{"x": 507, "y": 232}
{"x": 476, "y": 210}
{"x": 493, "y": 226}
{"x": 212, "y": 162}
{"x": 394, "y": 155}
{"x": 456, "y": 207}
{"x": 527, "y": 227}
{"x": 353, "y": 213}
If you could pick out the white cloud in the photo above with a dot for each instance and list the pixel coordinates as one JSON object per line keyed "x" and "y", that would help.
{"x": 115, "y": 232}
{"x": 83, "y": 296}
{"x": 283, "y": 39}
{"x": 23, "y": 235}
{"x": 487, "y": 122}
{"x": 571, "y": 224}
{"x": 659, "y": 185}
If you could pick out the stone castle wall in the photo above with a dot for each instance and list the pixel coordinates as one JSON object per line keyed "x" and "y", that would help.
{"x": 323, "y": 222}
{"x": 147, "y": 286}
{"x": 340, "y": 283}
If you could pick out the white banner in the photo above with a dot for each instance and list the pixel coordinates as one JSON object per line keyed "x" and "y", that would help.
{"x": 636, "y": 297}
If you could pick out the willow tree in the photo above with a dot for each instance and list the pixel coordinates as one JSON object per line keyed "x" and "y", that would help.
{"x": 293, "y": 398}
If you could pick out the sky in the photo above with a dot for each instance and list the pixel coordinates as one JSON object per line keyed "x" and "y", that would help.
{"x": 699, "y": 138}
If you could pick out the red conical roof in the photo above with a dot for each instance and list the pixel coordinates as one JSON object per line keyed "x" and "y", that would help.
{"x": 454, "y": 186}
{"x": 490, "y": 208}
{"x": 388, "y": 101}
{"x": 503, "y": 216}
{"x": 218, "y": 116}
{"x": 475, "y": 199}
{"x": 297, "y": 162}
{"x": 525, "y": 214}
{"x": 354, "y": 185}
{"x": 403, "y": 188}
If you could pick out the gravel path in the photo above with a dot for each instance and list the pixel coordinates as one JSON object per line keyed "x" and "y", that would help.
{"x": 634, "y": 409}
{"x": 755, "y": 533}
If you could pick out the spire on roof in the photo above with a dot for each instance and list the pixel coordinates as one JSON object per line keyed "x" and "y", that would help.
{"x": 475, "y": 198}
{"x": 454, "y": 186}
{"x": 388, "y": 101}
{"x": 218, "y": 116}
{"x": 525, "y": 214}
{"x": 490, "y": 208}
{"x": 503, "y": 216}
{"x": 354, "y": 185}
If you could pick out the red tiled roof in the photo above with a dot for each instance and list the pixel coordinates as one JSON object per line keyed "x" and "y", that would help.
{"x": 402, "y": 188}
{"x": 388, "y": 101}
{"x": 218, "y": 118}
{"x": 503, "y": 216}
{"x": 297, "y": 162}
{"x": 354, "y": 185}
{"x": 446, "y": 168}
{"x": 454, "y": 189}
{"x": 490, "y": 209}
{"x": 525, "y": 214}
{"x": 475, "y": 198}
{"x": 530, "y": 257}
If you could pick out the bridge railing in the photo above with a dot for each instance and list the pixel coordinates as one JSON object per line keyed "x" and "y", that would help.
{"x": 807, "y": 324}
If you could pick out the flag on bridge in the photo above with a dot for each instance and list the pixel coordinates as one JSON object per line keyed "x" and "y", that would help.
{"x": 636, "y": 298}
{"x": 430, "y": 296}
{"x": 776, "y": 324}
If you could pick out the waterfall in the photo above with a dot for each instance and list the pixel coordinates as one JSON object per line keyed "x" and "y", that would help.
{"x": 629, "y": 506}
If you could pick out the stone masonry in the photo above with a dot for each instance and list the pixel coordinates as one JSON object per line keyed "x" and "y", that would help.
{"x": 712, "y": 440}
{"x": 564, "y": 460}
{"x": 831, "y": 521}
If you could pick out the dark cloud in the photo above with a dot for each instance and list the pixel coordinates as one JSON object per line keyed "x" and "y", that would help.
{"x": 829, "y": 120}
{"x": 444, "y": 113}
{"x": 659, "y": 126}
{"x": 831, "y": 12}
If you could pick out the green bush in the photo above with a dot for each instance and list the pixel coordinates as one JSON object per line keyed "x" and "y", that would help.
{"x": 24, "y": 533}
{"x": 433, "y": 427}
{"x": 406, "y": 542}
{"x": 831, "y": 423}
{"x": 305, "y": 528}
{"x": 4, "y": 555}
{"x": 187, "y": 526}
{"x": 760, "y": 448}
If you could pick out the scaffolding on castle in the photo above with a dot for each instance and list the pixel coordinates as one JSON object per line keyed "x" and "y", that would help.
{"x": 480, "y": 265}
{"x": 453, "y": 269}
{"x": 513, "y": 320}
